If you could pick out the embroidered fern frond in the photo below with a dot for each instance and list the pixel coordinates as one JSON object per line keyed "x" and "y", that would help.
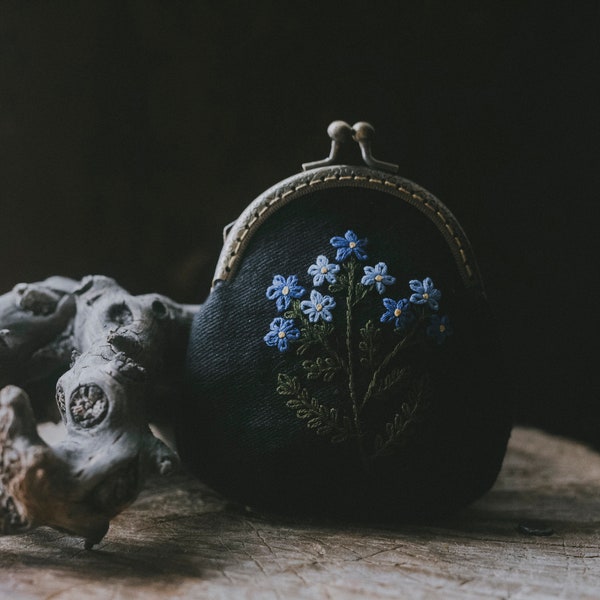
{"x": 322, "y": 367}
{"x": 396, "y": 376}
{"x": 312, "y": 335}
{"x": 394, "y": 434}
{"x": 288, "y": 385}
{"x": 397, "y": 433}
{"x": 322, "y": 419}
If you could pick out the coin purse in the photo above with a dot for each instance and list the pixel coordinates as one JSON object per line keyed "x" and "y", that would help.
{"x": 346, "y": 362}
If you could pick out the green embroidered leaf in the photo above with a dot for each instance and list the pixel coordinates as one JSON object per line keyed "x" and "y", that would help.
{"x": 294, "y": 311}
{"x": 325, "y": 368}
{"x": 397, "y": 375}
{"x": 290, "y": 386}
{"x": 286, "y": 385}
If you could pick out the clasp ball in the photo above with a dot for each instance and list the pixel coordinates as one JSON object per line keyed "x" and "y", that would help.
{"x": 340, "y": 131}
{"x": 363, "y": 131}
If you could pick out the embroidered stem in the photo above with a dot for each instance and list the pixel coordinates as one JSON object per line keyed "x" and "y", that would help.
{"x": 351, "y": 266}
{"x": 373, "y": 385}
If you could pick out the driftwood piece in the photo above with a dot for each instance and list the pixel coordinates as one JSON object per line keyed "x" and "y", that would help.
{"x": 180, "y": 541}
{"x": 127, "y": 355}
{"x": 35, "y": 320}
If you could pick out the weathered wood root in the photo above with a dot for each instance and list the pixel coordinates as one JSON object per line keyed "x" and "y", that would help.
{"x": 35, "y": 329}
{"x": 127, "y": 353}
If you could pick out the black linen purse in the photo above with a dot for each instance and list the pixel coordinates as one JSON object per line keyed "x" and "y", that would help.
{"x": 346, "y": 362}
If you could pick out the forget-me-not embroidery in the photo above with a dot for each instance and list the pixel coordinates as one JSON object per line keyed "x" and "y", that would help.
{"x": 323, "y": 271}
{"x": 345, "y": 367}
{"x": 283, "y": 290}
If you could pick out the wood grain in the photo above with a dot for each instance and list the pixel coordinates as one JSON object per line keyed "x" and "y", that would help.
{"x": 180, "y": 540}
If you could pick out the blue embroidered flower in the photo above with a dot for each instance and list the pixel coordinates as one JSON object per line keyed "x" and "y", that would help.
{"x": 348, "y": 245}
{"x": 439, "y": 328}
{"x": 398, "y": 311}
{"x": 318, "y": 307}
{"x": 323, "y": 270}
{"x": 282, "y": 331}
{"x": 378, "y": 276}
{"x": 283, "y": 290}
{"x": 425, "y": 293}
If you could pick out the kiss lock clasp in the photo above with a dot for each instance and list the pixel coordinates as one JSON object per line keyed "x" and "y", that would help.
{"x": 362, "y": 133}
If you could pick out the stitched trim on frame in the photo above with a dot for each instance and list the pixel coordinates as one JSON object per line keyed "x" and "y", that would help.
{"x": 445, "y": 222}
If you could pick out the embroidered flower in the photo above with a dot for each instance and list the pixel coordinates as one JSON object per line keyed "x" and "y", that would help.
{"x": 348, "y": 245}
{"x": 425, "y": 293}
{"x": 283, "y": 290}
{"x": 318, "y": 307}
{"x": 282, "y": 332}
{"x": 323, "y": 270}
{"x": 439, "y": 328}
{"x": 378, "y": 276}
{"x": 398, "y": 311}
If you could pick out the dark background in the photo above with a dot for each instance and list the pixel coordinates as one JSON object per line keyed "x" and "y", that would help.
{"x": 131, "y": 132}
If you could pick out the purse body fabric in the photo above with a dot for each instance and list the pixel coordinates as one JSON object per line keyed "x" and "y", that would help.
{"x": 346, "y": 361}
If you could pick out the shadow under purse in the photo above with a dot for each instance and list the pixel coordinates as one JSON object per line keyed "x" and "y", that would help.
{"x": 346, "y": 362}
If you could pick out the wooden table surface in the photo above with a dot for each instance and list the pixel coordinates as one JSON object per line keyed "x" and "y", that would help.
{"x": 180, "y": 541}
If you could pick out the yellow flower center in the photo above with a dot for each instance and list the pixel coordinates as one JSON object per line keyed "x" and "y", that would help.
{"x": 286, "y": 290}
{"x": 319, "y": 307}
{"x": 352, "y": 244}
{"x": 281, "y": 335}
{"x": 425, "y": 296}
{"x": 323, "y": 270}
{"x": 378, "y": 277}
{"x": 442, "y": 328}
{"x": 397, "y": 312}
